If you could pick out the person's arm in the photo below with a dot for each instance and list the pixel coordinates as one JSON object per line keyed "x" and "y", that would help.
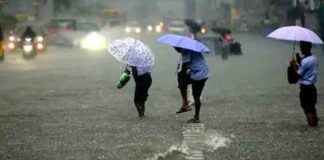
{"x": 302, "y": 69}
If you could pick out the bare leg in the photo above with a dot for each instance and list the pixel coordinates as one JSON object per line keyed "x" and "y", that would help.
{"x": 140, "y": 109}
{"x": 197, "y": 107}
{"x": 183, "y": 92}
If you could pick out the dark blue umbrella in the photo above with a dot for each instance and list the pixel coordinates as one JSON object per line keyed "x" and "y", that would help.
{"x": 183, "y": 42}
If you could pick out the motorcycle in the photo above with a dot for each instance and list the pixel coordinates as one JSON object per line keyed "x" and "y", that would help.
{"x": 13, "y": 43}
{"x": 28, "y": 48}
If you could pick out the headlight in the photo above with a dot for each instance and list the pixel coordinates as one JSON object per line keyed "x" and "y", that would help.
{"x": 149, "y": 28}
{"x": 11, "y": 45}
{"x": 40, "y": 46}
{"x": 158, "y": 29}
{"x": 203, "y": 30}
{"x": 138, "y": 30}
{"x": 28, "y": 48}
{"x": 127, "y": 30}
{"x": 40, "y": 39}
{"x": 11, "y": 38}
{"x": 93, "y": 41}
{"x": 28, "y": 39}
{"x": 161, "y": 24}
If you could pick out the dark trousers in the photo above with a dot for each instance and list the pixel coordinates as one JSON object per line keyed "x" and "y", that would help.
{"x": 308, "y": 98}
{"x": 143, "y": 83}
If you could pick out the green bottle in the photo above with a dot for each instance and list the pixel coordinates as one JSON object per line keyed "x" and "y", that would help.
{"x": 123, "y": 79}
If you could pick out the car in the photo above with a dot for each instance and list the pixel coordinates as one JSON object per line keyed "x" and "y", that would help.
{"x": 61, "y": 31}
{"x": 177, "y": 27}
{"x": 133, "y": 27}
{"x": 88, "y": 36}
{"x": 157, "y": 27}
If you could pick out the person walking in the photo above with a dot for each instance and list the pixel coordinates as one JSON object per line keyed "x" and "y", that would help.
{"x": 143, "y": 82}
{"x": 137, "y": 56}
{"x": 307, "y": 72}
{"x": 198, "y": 73}
{"x": 183, "y": 77}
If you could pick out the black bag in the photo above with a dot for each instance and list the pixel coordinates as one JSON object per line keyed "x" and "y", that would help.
{"x": 235, "y": 48}
{"x": 292, "y": 75}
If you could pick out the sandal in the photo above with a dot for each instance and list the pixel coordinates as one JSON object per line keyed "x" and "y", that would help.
{"x": 193, "y": 120}
{"x": 181, "y": 110}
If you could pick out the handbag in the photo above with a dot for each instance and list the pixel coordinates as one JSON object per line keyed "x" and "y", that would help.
{"x": 123, "y": 79}
{"x": 292, "y": 75}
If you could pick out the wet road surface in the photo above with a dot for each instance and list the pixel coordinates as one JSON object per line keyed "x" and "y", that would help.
{"x": 64, "y": 105}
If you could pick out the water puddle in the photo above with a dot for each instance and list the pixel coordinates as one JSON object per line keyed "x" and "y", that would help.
{"x": 196, "y": 141}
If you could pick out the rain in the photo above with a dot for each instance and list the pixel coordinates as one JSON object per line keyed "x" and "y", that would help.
{"x": 161, "y": 79}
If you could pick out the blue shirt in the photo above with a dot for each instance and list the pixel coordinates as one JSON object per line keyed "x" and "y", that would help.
{"x": 308, "y": 70}
{"x": 185, "y": 56}
{"x": 198, "y": 66}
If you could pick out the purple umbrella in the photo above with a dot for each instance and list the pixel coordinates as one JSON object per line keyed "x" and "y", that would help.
{"x": 183, "y": 42}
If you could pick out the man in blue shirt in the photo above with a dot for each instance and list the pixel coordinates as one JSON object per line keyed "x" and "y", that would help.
{"x": 307, "y": 72}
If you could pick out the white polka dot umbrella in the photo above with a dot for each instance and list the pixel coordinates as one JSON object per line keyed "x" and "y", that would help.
{"x": 132, "y": 52}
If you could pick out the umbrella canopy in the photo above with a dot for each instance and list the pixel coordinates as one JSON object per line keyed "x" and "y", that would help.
{"x": 295, "y": 33}
{"x": 193, "y": 25}
{"x": 183, "y": 42}
{"x": 132, "y": 52}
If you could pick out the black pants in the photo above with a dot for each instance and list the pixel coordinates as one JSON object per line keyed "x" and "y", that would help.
{"x": 197, "y": 87}
{"x": 308, "y": 98}
{"x": 183, "y": 80}
{"x": 143, "y": 83}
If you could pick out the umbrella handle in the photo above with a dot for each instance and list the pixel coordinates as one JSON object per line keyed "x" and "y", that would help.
{"x": 294, "y": 49}
{"x": 178, "y": 65}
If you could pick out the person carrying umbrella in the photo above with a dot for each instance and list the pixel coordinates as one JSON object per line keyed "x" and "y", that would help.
{"x": 302, "y": 70}
{"x": 139, "y": 58}
{"x": 183, "y": 78}
{"x": 307, "y": 74}
{"x": 195, "y": 69}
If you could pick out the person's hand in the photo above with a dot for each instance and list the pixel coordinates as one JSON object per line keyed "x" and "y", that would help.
{"x": 298, "y": 58}
{"x": 293, "y": 64}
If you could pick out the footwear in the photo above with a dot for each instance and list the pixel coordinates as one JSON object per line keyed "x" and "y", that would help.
{"x": 184, "y": 109}
{"x": 140, "y": 110}
{"x": 312, "y": 119}
{"x": 193, "y": 120}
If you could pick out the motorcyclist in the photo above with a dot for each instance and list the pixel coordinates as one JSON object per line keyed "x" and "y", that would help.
{"x": 28, "y": 33}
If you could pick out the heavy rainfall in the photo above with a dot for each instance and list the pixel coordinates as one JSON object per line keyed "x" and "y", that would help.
{"x": 161, "y": 79}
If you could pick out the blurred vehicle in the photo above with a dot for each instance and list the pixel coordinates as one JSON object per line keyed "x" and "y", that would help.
{"x": 176, "y": 26}
{"x": 155, "y": 27}
{"x": 133, "y": 27}
{"x": 113, "y": 17}
{"x": 28, "y": 48}
{"x": 87, "y": 36}
{"x": 14, "y": 41}
{"x": 61, "y": 31}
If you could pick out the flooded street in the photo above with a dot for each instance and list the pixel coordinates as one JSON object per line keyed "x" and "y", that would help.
{"x": 65, "y": 105}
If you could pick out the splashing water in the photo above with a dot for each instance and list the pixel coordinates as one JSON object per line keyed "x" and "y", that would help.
{"x": 196, "y": 141}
